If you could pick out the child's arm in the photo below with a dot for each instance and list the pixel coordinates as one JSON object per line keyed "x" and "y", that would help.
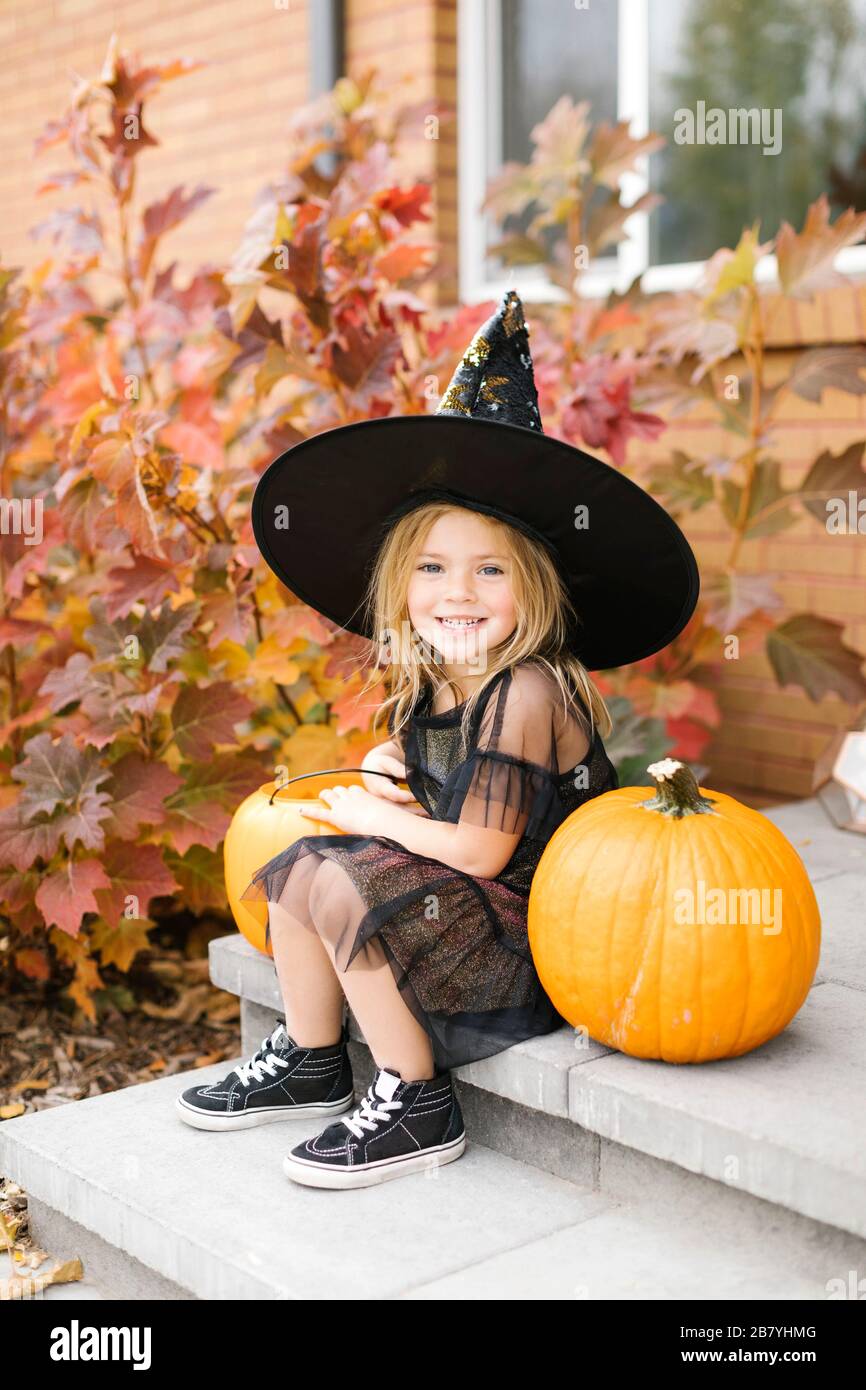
{"x": 475, "y": 850}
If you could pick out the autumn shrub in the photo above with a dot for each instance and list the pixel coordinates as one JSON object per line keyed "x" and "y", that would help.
{"x": 154, "y": 671}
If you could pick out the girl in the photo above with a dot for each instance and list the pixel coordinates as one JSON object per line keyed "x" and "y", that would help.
{"x": 414, "y": 910}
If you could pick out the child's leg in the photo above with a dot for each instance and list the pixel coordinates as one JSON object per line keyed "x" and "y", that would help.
{"x": 393, "y": 1034}
{"x": 312, "y": 997}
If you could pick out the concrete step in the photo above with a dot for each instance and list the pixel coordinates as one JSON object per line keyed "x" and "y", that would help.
{"x": 155, "y": 1209}
{"x": 587, "y": 1174}
{"x": 824, "y": 849}
{"x": 785, "y": 1124}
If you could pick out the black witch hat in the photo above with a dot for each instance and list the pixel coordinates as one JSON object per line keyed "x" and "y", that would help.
{"x": 322, "y": 509}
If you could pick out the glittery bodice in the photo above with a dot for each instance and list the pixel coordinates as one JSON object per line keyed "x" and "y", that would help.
{"x": 436, "y": 761}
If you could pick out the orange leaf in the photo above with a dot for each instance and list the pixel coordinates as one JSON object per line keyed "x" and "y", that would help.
{"x": 805, "y": 259}
{"x": 32, "y": 963}
{"x": 404, "y": 260}
{"x": 354, "y": 711}
{"x": 87, "y": 980}
{"x": 272, "y": 663}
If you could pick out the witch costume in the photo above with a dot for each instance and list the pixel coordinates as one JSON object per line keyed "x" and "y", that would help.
{"x": 457, "y": 944}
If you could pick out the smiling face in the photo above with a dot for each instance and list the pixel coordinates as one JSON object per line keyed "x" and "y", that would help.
{"x": 460, "y": 595}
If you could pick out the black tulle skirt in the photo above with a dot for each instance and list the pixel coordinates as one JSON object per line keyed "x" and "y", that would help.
{"x": 457, "y": 945}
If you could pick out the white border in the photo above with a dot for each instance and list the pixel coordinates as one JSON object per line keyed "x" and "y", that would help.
{"x": 479, "y": 150}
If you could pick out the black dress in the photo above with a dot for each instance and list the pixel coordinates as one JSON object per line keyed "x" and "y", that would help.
{"x": 457, "y": 945}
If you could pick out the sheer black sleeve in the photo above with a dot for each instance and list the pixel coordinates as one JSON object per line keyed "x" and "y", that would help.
{"x": 509, "y": 780}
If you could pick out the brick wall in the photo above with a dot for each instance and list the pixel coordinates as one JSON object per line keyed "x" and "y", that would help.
{"x": 415, "y": 42}
{"x": 223, "y": 125}
{"x": 771, "y": 736}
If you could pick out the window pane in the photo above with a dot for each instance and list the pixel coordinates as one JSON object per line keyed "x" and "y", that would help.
{"x": 551, "y": 49}
{"x": 806, "y": 59}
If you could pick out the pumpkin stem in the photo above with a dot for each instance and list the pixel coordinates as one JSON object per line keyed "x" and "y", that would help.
{"x": 677, "y": 792}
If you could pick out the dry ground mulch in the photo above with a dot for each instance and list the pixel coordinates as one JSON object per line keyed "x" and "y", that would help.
{"x": 161, "y": 1017}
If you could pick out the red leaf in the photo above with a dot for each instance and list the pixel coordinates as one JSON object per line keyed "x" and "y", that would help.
{"x": 367, "y": 366}
{"x": 21, "y": 843}
{"x": 198, "y": 444}
{"x": 691, "y": 739}
{"x": 230, "y": 617}
{"x": 172, "y": 210}
{"x": 146, "y": 581}
{"x": 197, "y": 823}
{"x": 406, "y": 204}
{"x": 207, "y": 715}
{"x": 15, "y": 631}
{"x": 64, "y": 897}
{"x": 200, "y": 812}
{"x": 138, "y": 789}
{"x": 141, "y": 876}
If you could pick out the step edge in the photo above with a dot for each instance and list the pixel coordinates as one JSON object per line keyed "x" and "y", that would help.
{"x": 17, "y": 1159}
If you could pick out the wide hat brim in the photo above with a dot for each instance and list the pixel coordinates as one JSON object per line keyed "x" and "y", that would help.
{"x": 322, "y": 509}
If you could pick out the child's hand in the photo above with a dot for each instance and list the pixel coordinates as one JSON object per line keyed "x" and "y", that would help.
{"x": 352, "y": 809}
{"x": 382, "y": 759}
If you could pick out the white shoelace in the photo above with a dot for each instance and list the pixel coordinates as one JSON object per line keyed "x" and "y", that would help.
{"x": 256, "y": 1067}
{"x": 368, "y": 1114}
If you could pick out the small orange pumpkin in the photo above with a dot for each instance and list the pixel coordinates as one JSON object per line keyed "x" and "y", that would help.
{"x": 677, "y": 924}
{"x": 268, "y": 821}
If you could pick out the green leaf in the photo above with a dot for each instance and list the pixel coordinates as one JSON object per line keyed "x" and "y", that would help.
{"x": 808, "y": 651}
{"x": 120, "y": 996}
{"x": 201, "y": 876}
{"x": 737, "y": 270}
{"x": 682, "y": 483}
{"x": 766, "y": 490}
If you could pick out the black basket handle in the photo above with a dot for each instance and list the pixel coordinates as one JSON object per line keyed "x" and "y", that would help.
{"x": 326, "y": 771}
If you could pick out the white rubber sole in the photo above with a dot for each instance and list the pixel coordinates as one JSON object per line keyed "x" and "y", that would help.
{"x": 313, "y": 1174}
{"x": 249, "y": 1119}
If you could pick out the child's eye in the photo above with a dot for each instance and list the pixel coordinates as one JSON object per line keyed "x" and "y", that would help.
{"x": 432, "y": 564}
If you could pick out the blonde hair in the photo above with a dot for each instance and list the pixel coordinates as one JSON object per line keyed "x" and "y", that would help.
{"x": 544, "y": 616}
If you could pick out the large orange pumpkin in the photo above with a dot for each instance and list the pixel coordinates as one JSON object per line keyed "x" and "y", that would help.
{"x": 675, "y": 924}
{"x": 267, "y": 822}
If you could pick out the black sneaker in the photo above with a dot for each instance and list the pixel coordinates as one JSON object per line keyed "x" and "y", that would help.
{"x": 281, "y": 1081}
{"x": 399, "y": 1127}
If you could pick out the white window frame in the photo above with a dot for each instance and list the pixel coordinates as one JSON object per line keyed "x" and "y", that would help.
{"x": 479, "y": 139}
